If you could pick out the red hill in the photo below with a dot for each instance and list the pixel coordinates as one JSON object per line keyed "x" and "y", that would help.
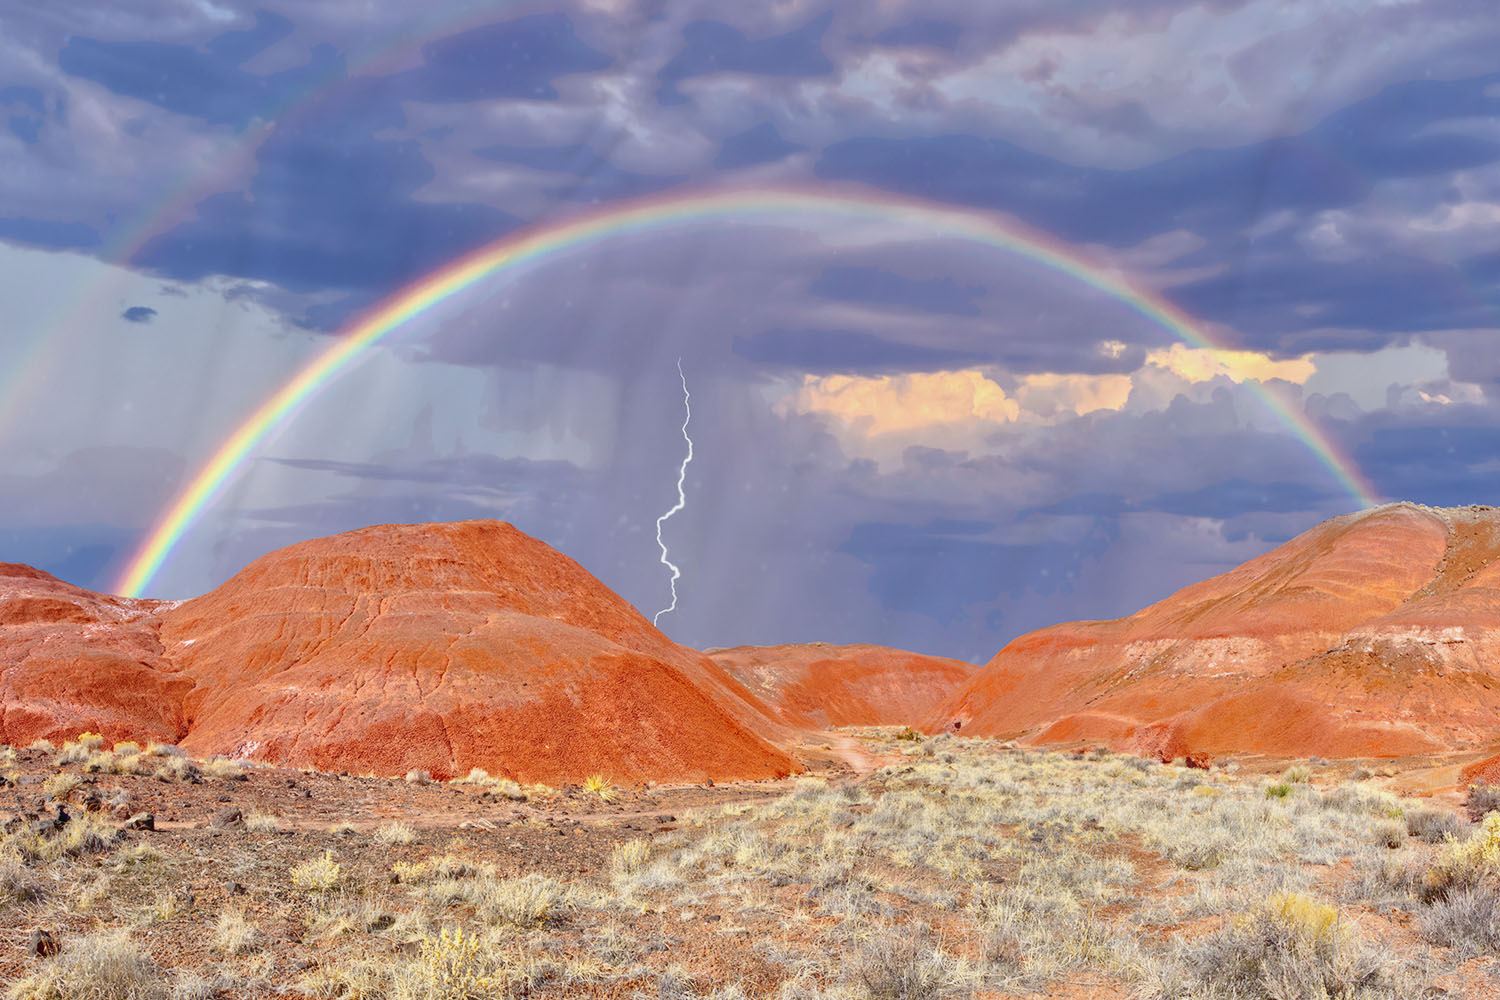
{"x": 450, "y": 646}
{"x": 820, "y": 685}
{"x": 1371, "y": 634}
{"x": 438, "y": 647}
{"x": 72, "y": 660}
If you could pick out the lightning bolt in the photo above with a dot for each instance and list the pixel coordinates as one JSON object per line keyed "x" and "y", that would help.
{"x": 681, "y": 496}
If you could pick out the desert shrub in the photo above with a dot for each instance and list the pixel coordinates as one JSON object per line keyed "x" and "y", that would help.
{"x": 155, "y": 749}
{"x": 234, "y": 935}
{"x": 630, "y": 856}
{"x": 260, "y": 822}
{"x": 127, "y": 747}
{"x": 90, "y": 741}
{"x": 418, "y": 777}
{"x": 1296, "y": 775}
{"x": 177, "y": 769}
{"x": 17, "y": 883}
{"x": 910, "y": 735}
{"x": 452, "y": 966}
{"x": 44, "y": 745}
{"x": 1433, "y": 826}
{"x": 100, "y": 966}
{"x": 479, "y": 776}
{"x": 1278, "y": 790}
{"x": 136, "y": 856}
{"x": 395, "y": 832}
{"x": 320, "y": 874}
{"x": 900, "y": 964}
{"x": 223, "y": 769}
{"x": 1390, "y": 833}
{"x": 527, "y": 901}
{"x": 85, "y": 834}
{"x": 1482, "y": 798}
{"x": 1463, "y": 864}
{"x": 1289, "y": 947}
{"x": 510, "y": 790}
{"x": 1200, "y": 853}
{"x": 72, "y": 753}
{"x": 598, "y": 784}
{"x": 1466, "y": 920}
{"x": 60, "y": 785}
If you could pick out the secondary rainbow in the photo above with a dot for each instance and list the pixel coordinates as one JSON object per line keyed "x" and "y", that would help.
{"x": 546, "y": 241}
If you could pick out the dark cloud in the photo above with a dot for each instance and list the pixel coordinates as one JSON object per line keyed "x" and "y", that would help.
{"x": 923, "y": 31}
{"x": 714, "y": 47}
{"x": 583, "y": 174}
{"x": 1449, "y": 461}
{"x": 331, "y": 207}
{"x": 1237, "y": 496}
{"x": 49, "y": 233}
{"x": 937, "y": 572}
{"x": 761, "y": 144}
{"x": 1265, "y": 288}
{"x": 138, "y": 314}
{"x": 28, "y": 112}
{"x": 518, "y": 58}
{"x": 876, "y": 286}
{"x": 206, "y": 82}
{"x": 846, "y": 351}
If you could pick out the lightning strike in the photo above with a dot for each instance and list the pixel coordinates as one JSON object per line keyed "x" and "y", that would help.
{"x": 681, "y": 496}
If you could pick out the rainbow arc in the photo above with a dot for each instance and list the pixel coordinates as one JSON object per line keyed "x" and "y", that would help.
{"x": 548, "y": 241}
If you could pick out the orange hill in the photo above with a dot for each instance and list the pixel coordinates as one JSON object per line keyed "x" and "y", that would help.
{"x": 438, "y": 647}
{"x": 72, "y": 660}
{"x": 1374, "y": 634}
{"x": 820, "y": 685}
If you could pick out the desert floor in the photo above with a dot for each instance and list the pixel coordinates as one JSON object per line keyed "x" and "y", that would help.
{"x": 899, "y": 867}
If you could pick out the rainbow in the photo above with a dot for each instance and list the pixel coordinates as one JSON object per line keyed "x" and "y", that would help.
{"x": 662, "y": 212}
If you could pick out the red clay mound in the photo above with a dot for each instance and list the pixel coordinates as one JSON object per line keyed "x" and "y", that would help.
{"x": 819, "y": 685}
{"x": 72, "y": 660}
{"x": 1373, "y": 634}
{"x": 444, "y": 647}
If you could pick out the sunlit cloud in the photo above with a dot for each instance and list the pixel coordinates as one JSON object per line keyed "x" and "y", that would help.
{"x": 1199, "y": 364}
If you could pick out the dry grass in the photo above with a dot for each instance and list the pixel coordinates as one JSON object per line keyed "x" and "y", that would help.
{"x": 222, "y": 769}
{"x": 234, "y": 935}
{"x": 395, "y": 832}
{"x": 320, "y": 874}
{"x": 103, "y": 966}
{"x": 598, "y": 784}
{"x": 964, "y": 869}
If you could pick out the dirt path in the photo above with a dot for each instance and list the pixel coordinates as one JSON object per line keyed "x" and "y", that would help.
{"x": 861, "y": 762}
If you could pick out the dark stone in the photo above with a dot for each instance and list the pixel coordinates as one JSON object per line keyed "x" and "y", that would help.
{"x": 42, "y": 944}
{"x": 140, "y": 821}
{"x": 227, "y": 819}
{"x": 234, "y": 889}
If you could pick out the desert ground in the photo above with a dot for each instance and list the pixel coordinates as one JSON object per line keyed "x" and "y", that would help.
{"x": 899, "y": 866}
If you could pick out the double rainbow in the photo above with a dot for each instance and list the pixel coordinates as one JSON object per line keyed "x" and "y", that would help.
{"x": 662, "y": 212}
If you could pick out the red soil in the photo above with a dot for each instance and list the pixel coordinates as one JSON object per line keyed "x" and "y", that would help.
{"x": 1370, "y": 635}
{"x": 433, "y": 647}
{"x": 817, "y": 685}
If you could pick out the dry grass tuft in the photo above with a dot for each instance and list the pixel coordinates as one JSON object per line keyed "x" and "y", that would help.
{"x": 394, "y": 832}
{"x": 320, "y": 874}
{"x": 105, "y": 965}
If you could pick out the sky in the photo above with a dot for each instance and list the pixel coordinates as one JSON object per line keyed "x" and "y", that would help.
{"x": 902, "y": 434}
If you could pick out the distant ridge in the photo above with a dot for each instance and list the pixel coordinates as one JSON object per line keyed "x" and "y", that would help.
{"x": 1373, "y": 634}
